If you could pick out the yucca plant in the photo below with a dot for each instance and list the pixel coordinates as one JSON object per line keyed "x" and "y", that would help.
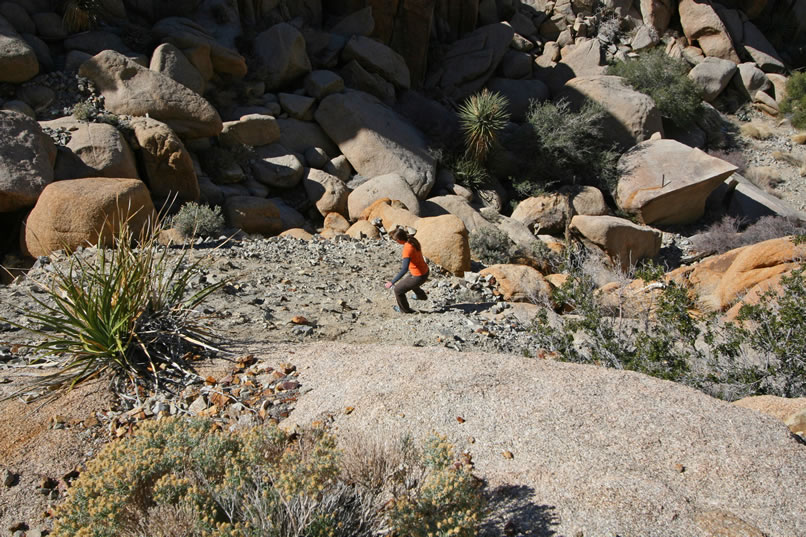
{"x": 81, "y": 15}
{"x": 127, "y": 311}
{"x": 482, "y": 117}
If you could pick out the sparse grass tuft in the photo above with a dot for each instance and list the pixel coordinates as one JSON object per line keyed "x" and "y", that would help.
{"x": 727, "y": 234}
{"x": 757, "y": 131}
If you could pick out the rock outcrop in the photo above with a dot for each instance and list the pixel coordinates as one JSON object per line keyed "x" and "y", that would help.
{"x": 27, "y": 156}
{"x": 376, "y": 140}
{"x": 129, "y": 88}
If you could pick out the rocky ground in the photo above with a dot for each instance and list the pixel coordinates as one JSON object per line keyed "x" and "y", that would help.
{"x": 279, "y": 292}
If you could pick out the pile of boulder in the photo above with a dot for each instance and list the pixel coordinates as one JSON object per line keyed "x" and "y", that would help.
{"x": 309, "y": 117}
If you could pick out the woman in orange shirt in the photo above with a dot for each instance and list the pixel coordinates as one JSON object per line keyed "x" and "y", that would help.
{"x": 413, "y": 263}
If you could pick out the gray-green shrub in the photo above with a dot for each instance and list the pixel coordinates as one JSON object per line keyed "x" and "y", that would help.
{"x": 562, "y": 146}
{"x": 201, "y": 481}
{"x": 794, "y": 104}
{"x": 666, "y": 80}
{"x": 194, "y": 219}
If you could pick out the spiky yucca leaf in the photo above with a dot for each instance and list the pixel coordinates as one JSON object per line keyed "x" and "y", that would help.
{"x": 128, "y": 311}
{"x": 81, "y": 15}
{"x": 482, "y": 117}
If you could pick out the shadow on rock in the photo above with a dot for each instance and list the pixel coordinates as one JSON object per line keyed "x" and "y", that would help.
{"x": 512, "y": 512}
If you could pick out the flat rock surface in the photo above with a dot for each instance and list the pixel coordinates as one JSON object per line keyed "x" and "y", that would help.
{"x": 594, "y": 450}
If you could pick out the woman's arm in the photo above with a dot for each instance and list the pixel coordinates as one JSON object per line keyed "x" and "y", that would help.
{"x": 404, "y": 268}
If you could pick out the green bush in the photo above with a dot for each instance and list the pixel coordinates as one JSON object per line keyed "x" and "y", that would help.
{"x": 482, "y": 117}
{"x": 565, "y": 147}
{"x": 655, "y": 337}
{"x": 193, "y": 220}
{"x": 666, "y": 80}
{"x": 775, "y": 327}
{"x": 794, "y": 104}
{"x": 127, "y": 310}
{"x": 177, "y": 477}
{"x": 491, "y": 246}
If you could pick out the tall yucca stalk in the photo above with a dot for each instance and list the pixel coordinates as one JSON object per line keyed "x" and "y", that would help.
{"x": 127, "y": 310}
{"x": 482, "y": 117}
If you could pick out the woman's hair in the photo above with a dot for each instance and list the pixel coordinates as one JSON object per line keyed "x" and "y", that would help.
{"x": 400, "y": 234}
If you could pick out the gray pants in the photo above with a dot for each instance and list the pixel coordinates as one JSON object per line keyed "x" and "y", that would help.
{"x": 409, "y": 283}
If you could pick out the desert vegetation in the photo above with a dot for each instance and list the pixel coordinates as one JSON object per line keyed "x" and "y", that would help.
{"x": 130, "y": 311}
{"x": 186, "y": 477}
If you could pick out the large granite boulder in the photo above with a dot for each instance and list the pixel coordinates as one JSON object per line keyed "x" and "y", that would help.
{"x": 721, "y": 280}
{"x": 378, "y": 58}
{"x": 632, "y": 117}
{"x": 712, "y": 75}
{"x": 129, "y": 88}
{"x": 85, "y": 212}
{"x": 326, "y": 191}
{"x": 703, "y": 27}
{"x": 444, "y": 241}
{"x": 277, "y": 167}
{"x": 519, "y": 283}
{"x": 251, "y": 129}
{"x": 657, "y": 13}
{"x": 594, "y": 451}
{"x": 203, "y": 50}
{"x": 665, "y": 182}
{"x": 391, "y": 186}
{"x": 282, "y": 55}
{"x": 169, "y": 170}
{"x": 27, "y": 157}
{"x": 376, "y": 140}
{"x": 168, "y": 60}
{"x": 299, "y": 136}
{"x": 253, "y": 215}
{"x": 18, "y": 61}
{"x": 624, "y": 243}
{"x": 547, "y": 213}
{"x": 471, "y": 61}
{"x": 583, "y": 59}
{"x": 94, "y": 150}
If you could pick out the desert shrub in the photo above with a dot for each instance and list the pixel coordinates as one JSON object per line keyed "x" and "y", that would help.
{"x": 666, "y": 80}
{"x": 655, "y": 337}
{"x": 727, "y": 233}
{"x": 89, "y": 111}
{"x": 128, "y": 310}
{"x": 260, "y": 482}
{"x": 564, "y": 146}
{"x": 490, "y": 245}
{"x": 193, "y": 219}
{"x": 775, "y": 327}
{"x": 446, "y": 503}
{"x": 482, "y": 117}
{"x": 794, "y": 104}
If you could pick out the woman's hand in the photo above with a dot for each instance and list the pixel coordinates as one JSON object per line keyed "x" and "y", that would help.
{"x": 388, "y": 285}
